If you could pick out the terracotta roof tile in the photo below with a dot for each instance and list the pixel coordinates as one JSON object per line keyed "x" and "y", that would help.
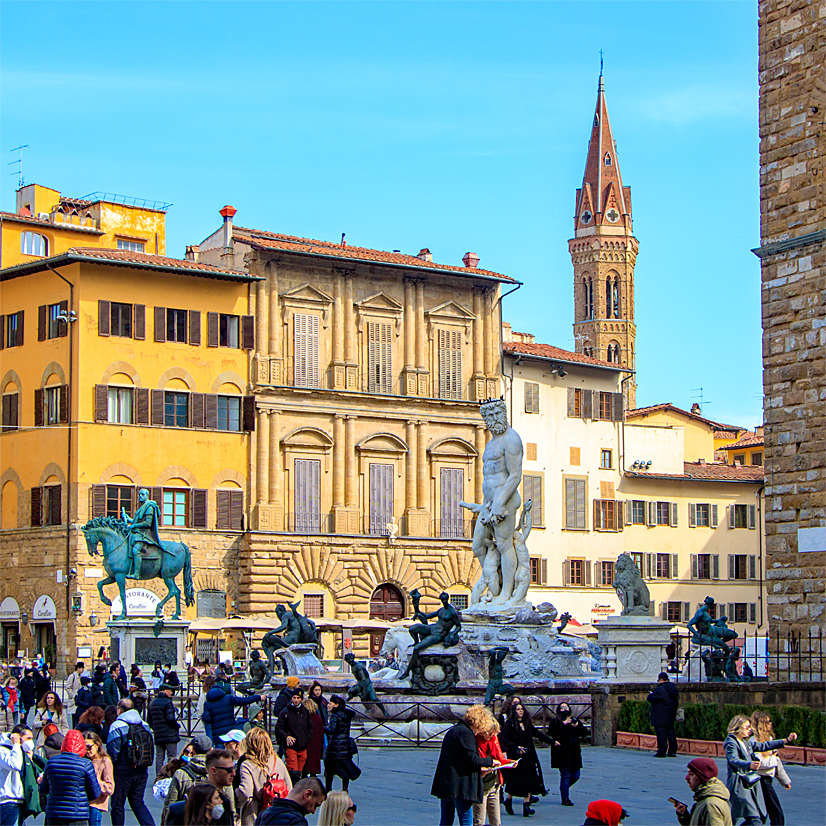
{"x": 260, "y": 239}
{"x": 644, "y": 411}
{"x": 709, "y": 472}
{"x": 748, "y": 440}
{"x": 548, "y": 351}
{"x": 31, "y": 219}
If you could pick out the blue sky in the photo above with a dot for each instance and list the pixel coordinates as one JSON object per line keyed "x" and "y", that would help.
{"x": 456, "y": 126}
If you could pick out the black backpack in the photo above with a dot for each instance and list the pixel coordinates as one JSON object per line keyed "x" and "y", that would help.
{"x": 97, "y": 695}
{"x": 140, "y": 747}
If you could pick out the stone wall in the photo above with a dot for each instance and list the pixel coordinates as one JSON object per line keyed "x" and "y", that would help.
{"x": 793, "y": 216}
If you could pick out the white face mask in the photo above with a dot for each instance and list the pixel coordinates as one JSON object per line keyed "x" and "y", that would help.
{"x": 27, "y": 746}
{"x": 218, "y": 811}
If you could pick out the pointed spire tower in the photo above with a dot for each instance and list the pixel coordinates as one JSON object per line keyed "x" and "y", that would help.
{"x": 604, "y": 252}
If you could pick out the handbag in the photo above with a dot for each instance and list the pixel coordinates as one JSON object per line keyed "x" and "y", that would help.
{"x": 679, "y": 717}
{"x": 750, "y": 778}
{"x": 354, "y": 749}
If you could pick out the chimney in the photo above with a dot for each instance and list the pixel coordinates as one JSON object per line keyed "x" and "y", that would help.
{"x": 193, "y": 252}
{"x": 507, "y": 331}
{"x": 227, "y": 212}
{"x": 425, "y": 254}
{"x": 702, "y": 462}
{"x": 471, "y": 260}
{"x": 695, "y": 409}
{"x": 758, "y": 431}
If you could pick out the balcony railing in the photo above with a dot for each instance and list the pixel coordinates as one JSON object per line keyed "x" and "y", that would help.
{"x": 318, "y": 523}
{"x": 310, "y": 523}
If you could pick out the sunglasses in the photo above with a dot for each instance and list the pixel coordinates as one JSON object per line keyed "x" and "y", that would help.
{"x": 352, "y": 808}
{"x": 228, "y": 769}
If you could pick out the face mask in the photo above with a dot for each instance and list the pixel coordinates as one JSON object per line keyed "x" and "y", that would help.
{"x": 218, "y": 811}
{"x": 27, "y": 746}
{"x": 186, "y": 758}
{"x": 565, "y": 713}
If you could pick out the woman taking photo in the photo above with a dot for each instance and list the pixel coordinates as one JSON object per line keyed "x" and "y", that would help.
{"x": 259, "y": 764}
{"x": 337, "y": 810}
{"x": 49, "y": 710}
{"x": 770, "y": 767}
{"x": 743, "y": 782}
{"x": 524, "y": 780}
{"x": 104, "y": 771}
{"x": 566, "y": 754}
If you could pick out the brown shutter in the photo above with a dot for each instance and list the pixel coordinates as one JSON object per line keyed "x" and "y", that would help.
{"x": 587, "y": 404}
{"x": 104, "y": 318}
{"x": 63, "y": 326}
{"x": 222, "y": 509}
{"x": 55, "y": 505}
{"x": 196, "y": 409}
{"x": 141, "y": 405}
{"x": 695, "y": 567}
{"x": 160, "y": 323}
{"x": 38, "y": 408}
{"x": 212, "y": 330}
{"x": 714, "y": 517}
{"x": 543, "y": 571}
{"x": 715, "y": 566}
{"x": 587, "y": 566}
{"x": 597, "y": 522}
{"x": 692, "y": 515}
{"x": 248, "y": 332}
{"x": 2, "y": 331}
{"x": 210, "y": 411}
{"x": 63, "y": 404}
{"x": 195, "y": 328}
{"x": 571, "y": 402}
{"x": 617, "y": 407}
{"x": 249, "y": 413}
{"x": 596, "y": 412}
{"x": 37, "y": 507}
{"x": 198, "y": 498}
{"x": 139, "y": 327}
{"x": 97, "y": 501}
{"x": 41, "y": 322}
{"x": 101, "y": 403}
{"x": 19, "y": 339}
{"x": 752, "y": 566}
{"x": 157, "y": 407}
{"x": 156, "y": 495}
{"x": 236, "y": 510}
{"x": 566, "y": 572}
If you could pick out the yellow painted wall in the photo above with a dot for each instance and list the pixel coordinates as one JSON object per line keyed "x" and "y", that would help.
{"x": 748, "y": 452}
{"x": 699, "y": 437}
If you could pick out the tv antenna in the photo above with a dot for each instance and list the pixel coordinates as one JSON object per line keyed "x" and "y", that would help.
{"x": 698, "y": 391}
{"x": 19, "y": 163}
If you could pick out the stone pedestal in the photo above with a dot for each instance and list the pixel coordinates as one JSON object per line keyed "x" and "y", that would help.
{"x": 134, "y": 641}
{"x": 633, "y": 648}
{"x": 436, "y": 670}
{"x": 300, "y": 660}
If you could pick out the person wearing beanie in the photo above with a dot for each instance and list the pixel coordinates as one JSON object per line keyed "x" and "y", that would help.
{"x": 189, "y": 775}
{"x": 284, "y": 696}
{"x": 69, "y": 782}
{"x": 604, "y": 813}
{"x": 710, "y": 793}
{"x": 256, "y": 718}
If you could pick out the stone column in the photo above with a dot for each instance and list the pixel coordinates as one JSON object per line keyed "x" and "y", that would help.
{"x": 262, "y": 430}
{"x": 351, "y": 368}
{"x": 410, "y": 500}
{"x": 262, "y": 332}
{"x": 276, "y": 496}
{"x": 478, "y": 333}
{"x": 489, "y": 337}
{"x": 275, "y": 352}
{"x": 481, "y": 441}
{"x": 350, "y": 475}
{"x": 421, "y": 332}
{"x": 409, "y": 323}
{"x": 338, "y": 321}
{"x": 338, "y": 460}
{"x": 423, "y": 491}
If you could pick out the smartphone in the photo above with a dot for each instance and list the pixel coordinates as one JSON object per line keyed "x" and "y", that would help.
{"x": 674, "y": 801}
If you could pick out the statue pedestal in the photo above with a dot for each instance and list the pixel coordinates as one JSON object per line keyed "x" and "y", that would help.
{"x": 633, "y": 648}
{"x": 134, "y": 641}
{"x": 436, "y": 670}
{"x": 300, "y": 660}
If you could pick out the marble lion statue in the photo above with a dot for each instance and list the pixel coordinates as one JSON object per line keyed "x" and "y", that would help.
{"x": 630, "y": 588}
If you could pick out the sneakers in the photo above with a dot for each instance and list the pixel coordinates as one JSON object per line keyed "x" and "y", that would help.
{"x": 567, "y": 803}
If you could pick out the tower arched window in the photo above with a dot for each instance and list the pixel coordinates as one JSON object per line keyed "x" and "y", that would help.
{"x": 614, "y": 353}
{"x": 616, "y": 298}
{"x": 588, "y": 294}
{"x": 608, "y": 160}
{"x": 609, "y": 289}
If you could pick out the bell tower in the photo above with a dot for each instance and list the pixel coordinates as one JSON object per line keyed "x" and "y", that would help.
{"x": 604, "y": 252}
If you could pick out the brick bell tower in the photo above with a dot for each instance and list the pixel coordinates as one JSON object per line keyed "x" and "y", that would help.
{"x": 604, "y": 252}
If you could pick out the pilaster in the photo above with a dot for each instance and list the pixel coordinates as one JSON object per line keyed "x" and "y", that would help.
{"x": 350, "y": 345}
{"x": 276, "y": 499}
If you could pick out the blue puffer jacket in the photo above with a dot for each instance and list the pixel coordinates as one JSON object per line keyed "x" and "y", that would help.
{"x": 219, "y": 710}
{"x": 69, "y": 783}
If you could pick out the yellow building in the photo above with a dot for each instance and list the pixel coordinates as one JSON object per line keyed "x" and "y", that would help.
{"x": 748, "y": 450}
{"x": 130, "y": 371}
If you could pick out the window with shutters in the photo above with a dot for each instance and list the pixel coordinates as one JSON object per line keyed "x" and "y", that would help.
{"x": 663, "y": 513}
{"x": 606, "y": 573}
{"x": 175, "y": 510}
{"x": 175, "y": 409}
{"x": 663, "y": 566}
{"x": 703, "y": 566}
{"x": 120, "y": 320}
{"x": 452, "y": 519}
{"x": 459, "y": 601}
{"x": 605, "y": 515}
{"x": 531, "y": 397}
{"x": 381, "y": 498}
{"x": 639, "y": 561}
{"x": 314, "y": 606}
{"x": 606, "y": 406}
{"x": 131, "y": 246}
{"x": 738, "y": 566}
{"x": 119, "y": 405}
{"x": 539, "y": 570}
{"x": 11, "y": 408}
{"x": 211, "y": 604}
{"x": 305, "y": 338}
{"x": 606, "y": 459}
{"x": 176, "y": 325}
{"x": 741, "y": 516}
{"x": 379, "y": 357}
{"x": 575, "y": 518}
{"x": 52, "y": 505}
{"x": 757, "y": 459}
{"x": 637, "y": 512}
{"x": 229, "y": 509}
{"x": 228, "y": 330}
{"x": 54, "y": 323}
{"x": 702, "y": 516}
{"x": 13, "y": 334}
{"x": 674, "y": 612}
{"x": 575, "y": 571}
{"x": 229, "y": 413}
{"x": 740, "y": 613}
{"x": 33, "y": 243}
{"x": 575, "y": 403}
{"x": 51, "y": 405}
{"x": 740, "y": 459}
{"x": 118, "y": 497}
{"x": 532, "y": 489}
{"x": 307, "y": 495}
{"x": 450, "y": 364}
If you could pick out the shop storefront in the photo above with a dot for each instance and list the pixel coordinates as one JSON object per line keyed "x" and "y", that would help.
{"x": 10, "y": 635}
{"x": 44, "y": 616}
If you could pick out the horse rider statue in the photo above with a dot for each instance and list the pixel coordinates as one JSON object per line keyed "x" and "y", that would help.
{"x": 141, "y": 531}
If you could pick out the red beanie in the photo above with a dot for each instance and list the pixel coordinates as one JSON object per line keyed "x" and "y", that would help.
{"x": 704, "y": 767}
{"x": 74, "y": 742}
{"x": 605, "y": 811}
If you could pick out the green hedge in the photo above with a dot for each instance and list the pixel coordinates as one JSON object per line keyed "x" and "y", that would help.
{"x": 707, "y": 721}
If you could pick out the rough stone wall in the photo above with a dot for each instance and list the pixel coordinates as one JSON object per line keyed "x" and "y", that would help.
{"x": 792, "y": 67}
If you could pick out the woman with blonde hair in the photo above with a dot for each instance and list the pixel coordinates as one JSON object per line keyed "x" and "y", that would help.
{"x": 337, "y": 810}
{"x": 259, "y": 764}
{"x": 770, "y": 767}
{"x": 105, "y": 772}
{"x": 743, "y": 780}
{"x": 315, "y": 748}
{"x": 486, "y": 729}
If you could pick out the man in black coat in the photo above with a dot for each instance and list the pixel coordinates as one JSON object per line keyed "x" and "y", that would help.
{"x": 306, "y": 796}
{"x": 664, "y": 703}
{"x": 293, "y": 730}
{"x": 164, "y": 723}
{"x": 458, "y": 778}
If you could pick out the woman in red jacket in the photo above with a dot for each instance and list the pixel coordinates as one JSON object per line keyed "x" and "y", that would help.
{"x": 486, "y": 729}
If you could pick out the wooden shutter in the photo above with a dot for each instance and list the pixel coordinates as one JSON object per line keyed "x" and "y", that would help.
{"x": 198, "y": 503}
{"x": 617, "y": 407}
{"x": 55, "y": 504}
{"x": 38, "y": 407}
{"x": 531, "y": 397}
{"x": 97, "y": 501}
{"x": 675, "y": 566}
{"x": 196, "y": 407}
{"x": 752, "y": 566}
{"x": 104, "y": 318}
{"x": 249, "y": 413}
{"x": 211, "y": 411}
{"x": 571, "y": 402}
{"x": 212, "y": 330}
{"x": 595, "y": 411}
{"x": 381, "y": 496}
{"x": 141, "y": 405}
{"x": 451, "y": 492}
{"x": 139, "y": 326}
{"x": 730, "y": 516}
{"x": 157, "y": 408}
{"x": 63, "y": 404}
{"x": 752, "y": 517}
{"x": 18, "y": 340}
{"x": 673, "y": 520}
{"x": 156, "y": 495}
{"x": 629, "y": 512}
{"x": 307, "y": 495}
{"x": 566, "y": 572}
{"x": 730, "y": 611}
{"x": 543, "y": 571}
{"x": 194, "y": 328}
{"x": 570, "y": 503}
{"x": 695, "y": 567}
{"x": 222, "y": 509}
{"x": 101, "y": 403}
{"x": 236, "y": 510}
{"x": 537, "y": 510}
{"x": 664, "y": 610}
{"x": 586, "y": 407}
{"x": 581, "y": 517}
{"x": 753, "y": 612}
{"x": 652, "y": 513}
{"x": 450, "y": 364}
{"x": 37, "y": 507}
{"x": 731, "y": 566}
{"x": 715, "y": 566}
{"x": 3, "y": 332}
{"x": 160, "y": 323}
{"x": 586, "y": 567}
{"x": 305, "y": 350}
{"x": 649, "y": 566}
{"x": 62, "y": 325}
{"x": 597, "y": 521}
{"x": 379, "y": 357}
{"x": 692, "y": 515}
{"x": 248, "y": 332}
{"x": 714, "y": 520}
{"x": 42, "y": 311}
{"x": 686, "y": 611}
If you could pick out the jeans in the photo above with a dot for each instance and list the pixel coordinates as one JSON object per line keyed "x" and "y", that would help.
{"x": 164, "y": 752}
{"x": 666, "y": 740}
{"x": 462, "y": 808}
{"x": 130, "y": 786}
{"x": 567, "y": 778}
{"x": 95, "y": 816}
{"x": 11, "y": 814}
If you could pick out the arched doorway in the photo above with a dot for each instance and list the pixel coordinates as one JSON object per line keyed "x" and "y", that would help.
{"x": 386, "y": 603}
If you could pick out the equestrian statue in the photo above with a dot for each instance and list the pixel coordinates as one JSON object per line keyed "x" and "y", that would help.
{"x": 132, "y": 549}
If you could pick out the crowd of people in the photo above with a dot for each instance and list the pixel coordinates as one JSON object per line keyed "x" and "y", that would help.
{"x": 79, "y": 753}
